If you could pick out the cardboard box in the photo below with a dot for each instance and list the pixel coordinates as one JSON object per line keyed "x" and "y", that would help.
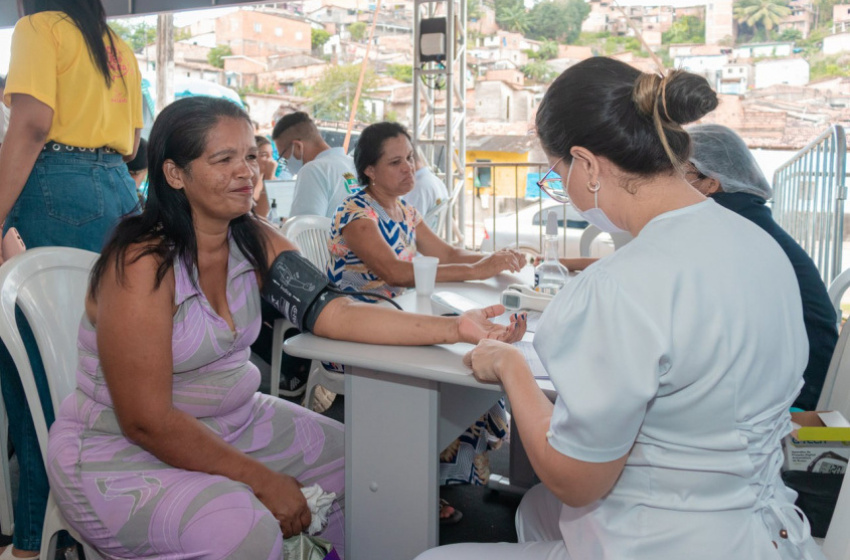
{"x": 821, "y": 444}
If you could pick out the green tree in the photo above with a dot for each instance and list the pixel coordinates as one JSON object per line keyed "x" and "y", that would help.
{"x": 357, "y": 30}
{"x": 760, "y": 14}
{"x": 823, "y": 11}
{"x": 832, "y": 66}
{"x": 318, "y": 37}
{"x": 473, "y": 10}
{"x": 401, "y": 72}
{"x": 686, "y": 29}
{"x": 548, "y": 50}
{"x": 502, "y": 5}
{"x": 182, "y": 33}
{"x": 559, "y": 20}
{"x": 137, "y": 36}
{"x": 332, "y": 95}
{"x": 515, "y": 18}
{"x": 538, "y": 71}
{"x": 216, "y": 55}
{"x": 790, "y": 34}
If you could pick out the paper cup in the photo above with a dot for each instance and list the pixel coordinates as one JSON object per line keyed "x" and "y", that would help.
{"x": 425, "y": 274}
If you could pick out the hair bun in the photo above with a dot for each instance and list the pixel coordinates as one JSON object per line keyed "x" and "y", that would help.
{"x": 688, "y": 97}
{"x": 646, "y": 93}
{"x": 680, "y": 97}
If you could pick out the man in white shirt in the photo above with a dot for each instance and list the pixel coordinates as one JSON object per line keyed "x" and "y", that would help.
{"x": 428, "y": 192}
{"x": 324, "y": 176}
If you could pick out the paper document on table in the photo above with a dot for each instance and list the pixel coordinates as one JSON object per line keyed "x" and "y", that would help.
{"x": 531, "y": 321}
{"x": 533, "y": 360}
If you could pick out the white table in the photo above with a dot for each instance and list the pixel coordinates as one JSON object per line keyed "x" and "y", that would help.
{"x": 403, "y": 405}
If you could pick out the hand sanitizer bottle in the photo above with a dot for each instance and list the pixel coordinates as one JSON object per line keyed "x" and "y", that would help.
{"x": 273, "y": 217}
{"x": 550, "y": 275}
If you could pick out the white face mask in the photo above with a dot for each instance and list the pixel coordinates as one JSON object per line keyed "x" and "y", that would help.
{"x": 293, "y": 164}
{"x": 594, "y": 216}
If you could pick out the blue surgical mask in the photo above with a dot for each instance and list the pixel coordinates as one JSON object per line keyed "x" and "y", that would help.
{"x": 293, "y": 164}
{"x": 594, "y": 216}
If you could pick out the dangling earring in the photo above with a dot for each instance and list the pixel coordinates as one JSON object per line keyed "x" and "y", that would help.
{"x": 594, "y": 188}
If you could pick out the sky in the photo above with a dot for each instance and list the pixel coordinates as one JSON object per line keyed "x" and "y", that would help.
{"x": 180, "y": 19}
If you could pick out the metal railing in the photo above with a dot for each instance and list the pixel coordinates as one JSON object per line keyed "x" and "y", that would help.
{"x": 506, "y": 210}
{"x": 808, "y": 199}
{"x": 503, "y": 194}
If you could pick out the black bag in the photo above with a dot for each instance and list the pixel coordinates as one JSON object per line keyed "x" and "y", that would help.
{"x": 293, "y": 371}
{"x": 817, "y": 494}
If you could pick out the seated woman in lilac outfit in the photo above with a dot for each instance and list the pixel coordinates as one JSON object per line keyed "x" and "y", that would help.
{"x": 166, "y": 450}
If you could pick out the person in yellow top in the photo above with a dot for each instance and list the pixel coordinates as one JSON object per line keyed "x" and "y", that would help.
{"x": 74, "y": 91}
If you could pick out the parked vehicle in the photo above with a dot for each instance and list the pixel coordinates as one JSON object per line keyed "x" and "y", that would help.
{"x": 524, "y": 230}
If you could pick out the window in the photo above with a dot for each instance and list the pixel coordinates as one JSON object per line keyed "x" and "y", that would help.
{"x": 299, "y": 35}
{"x": 483, "y": 175}
{"x": 258, "y": 28}
{"x": 278, "y": 32}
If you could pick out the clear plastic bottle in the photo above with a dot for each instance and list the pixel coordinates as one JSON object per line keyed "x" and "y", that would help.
{"x": 273, "y": 217}
{"x": 550, "y": 275}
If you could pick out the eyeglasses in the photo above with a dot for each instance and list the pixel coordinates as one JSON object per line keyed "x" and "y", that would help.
{"x": 552, "y": 185}
{"x": 693, "y": 174}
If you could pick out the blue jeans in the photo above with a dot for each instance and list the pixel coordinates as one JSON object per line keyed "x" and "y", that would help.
{"x": 70, "y": 200}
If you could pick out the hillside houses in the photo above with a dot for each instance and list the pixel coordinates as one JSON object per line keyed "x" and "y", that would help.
{"x": 272, "y": 53}
{"x": 735, "y": 70}
{"x": 260, "y": 33}
{"x": 785, "y": 117}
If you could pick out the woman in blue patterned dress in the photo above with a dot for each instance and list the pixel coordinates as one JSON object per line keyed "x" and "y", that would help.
{"x": 374, "y": 236}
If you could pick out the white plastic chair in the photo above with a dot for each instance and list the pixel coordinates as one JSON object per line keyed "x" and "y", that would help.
{"x": 836, "y": 291}
{"x": 835, "y": 394}
{"x": 437, "y": 216}
{"x": 49, "y": 285}
{"x": 311, "y": 235}
{"x": 591, "y": 232}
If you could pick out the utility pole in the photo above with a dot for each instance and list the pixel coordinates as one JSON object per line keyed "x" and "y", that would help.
{"x": 164, "y": 61}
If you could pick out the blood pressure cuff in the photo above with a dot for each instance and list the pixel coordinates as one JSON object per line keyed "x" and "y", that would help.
{"x": 298, "y": 290}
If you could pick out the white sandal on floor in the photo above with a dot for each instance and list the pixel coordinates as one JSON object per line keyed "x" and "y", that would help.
{"x": 7, "y": 555}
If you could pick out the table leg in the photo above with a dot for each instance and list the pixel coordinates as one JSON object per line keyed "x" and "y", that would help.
{"x": 391, "y": 460}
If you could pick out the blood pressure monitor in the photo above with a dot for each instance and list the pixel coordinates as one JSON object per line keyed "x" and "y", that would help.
{"x": 520, "y": 296}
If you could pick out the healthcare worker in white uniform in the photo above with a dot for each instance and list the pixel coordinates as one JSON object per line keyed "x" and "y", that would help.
{"x": 675, "y": 359}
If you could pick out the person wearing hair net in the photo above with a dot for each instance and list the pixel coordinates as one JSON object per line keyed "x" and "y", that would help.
{"x": 723, "y": 168}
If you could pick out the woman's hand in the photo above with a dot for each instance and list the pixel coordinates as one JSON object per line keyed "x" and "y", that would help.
{"x": 474, "y": 326}
{"x": 267, "y": 168}
{"x": 282, "y": 495}
{"x": 491, "y": 359}
{"x": 504, "y": 259}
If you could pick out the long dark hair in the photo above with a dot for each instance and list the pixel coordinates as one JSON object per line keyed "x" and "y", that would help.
{"x": 370, "y": 146}
{"x": 165, "y": 227}
{"x": 90, "y": 18}
{"x": 633, "y": 119}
